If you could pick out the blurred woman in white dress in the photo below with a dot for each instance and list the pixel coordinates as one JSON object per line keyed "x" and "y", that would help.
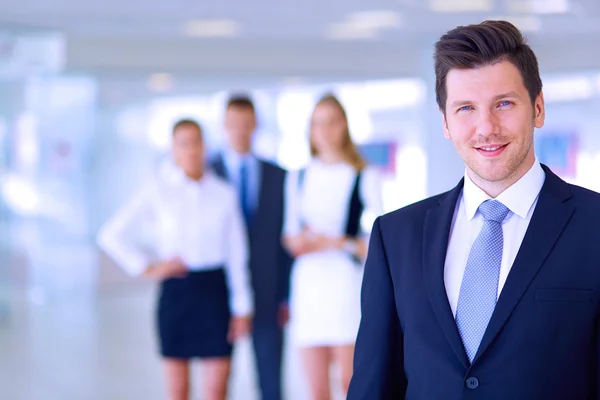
{"x": 325, "y": 204}
{"x": 198, "y": 235}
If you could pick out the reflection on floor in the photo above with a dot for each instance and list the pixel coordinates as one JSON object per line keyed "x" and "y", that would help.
{"x": 67, "y": 338}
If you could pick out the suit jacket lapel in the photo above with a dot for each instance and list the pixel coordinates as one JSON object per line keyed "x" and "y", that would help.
{"x": 548, "y": 221}
{"x": 438, "y": 222}
{"x": 263, "y": 183}
{"x": 219, "y": 168}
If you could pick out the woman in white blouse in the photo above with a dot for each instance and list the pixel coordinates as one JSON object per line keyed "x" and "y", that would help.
{"x": 325, "y": 204}
{"x": 198, "y": 237}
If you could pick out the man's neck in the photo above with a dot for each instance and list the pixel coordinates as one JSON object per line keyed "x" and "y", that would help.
{"x": 237, "y": 155}
{"x": 494, "y": 189}
{"x": 241, "y": 151}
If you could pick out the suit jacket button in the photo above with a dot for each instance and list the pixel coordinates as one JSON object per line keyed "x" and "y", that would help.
{"x": 472, "y": 383}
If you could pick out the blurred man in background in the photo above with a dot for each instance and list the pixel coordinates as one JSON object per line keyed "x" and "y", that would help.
{"x": 260, "y": 187}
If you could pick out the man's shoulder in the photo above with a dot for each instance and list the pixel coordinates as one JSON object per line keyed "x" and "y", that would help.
{"x": 270, "y": 165}
{"x": 585, "y": 196}
{"x": 586, "y": 201}
{"x": 214, "y": 159}
{"x": 274, "y": 171}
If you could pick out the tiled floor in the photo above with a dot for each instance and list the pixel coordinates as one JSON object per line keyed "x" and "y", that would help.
{"x": 89, "y": 336}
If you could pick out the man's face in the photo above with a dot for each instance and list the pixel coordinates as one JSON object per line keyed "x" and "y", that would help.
{"x": 490, "y": 120}
{"x": 240, "y": 124}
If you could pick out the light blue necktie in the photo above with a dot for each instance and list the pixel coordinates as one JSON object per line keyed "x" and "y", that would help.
{"x": 479, "y": 288}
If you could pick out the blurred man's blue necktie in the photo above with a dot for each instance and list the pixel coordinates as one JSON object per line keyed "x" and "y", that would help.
{"x": 244, "y": 192}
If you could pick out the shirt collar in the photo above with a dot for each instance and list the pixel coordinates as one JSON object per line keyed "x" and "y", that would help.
{"x": 518, "y": 198}
{"x": 233, "y": 159}
{"x": 172, "y": 173}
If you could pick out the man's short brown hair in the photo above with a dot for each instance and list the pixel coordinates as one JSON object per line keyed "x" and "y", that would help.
{"x": 480, "y": 45}
{"x": 241, "y": 101}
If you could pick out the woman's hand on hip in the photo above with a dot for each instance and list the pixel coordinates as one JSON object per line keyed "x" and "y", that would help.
{"x": 173, "y": 268}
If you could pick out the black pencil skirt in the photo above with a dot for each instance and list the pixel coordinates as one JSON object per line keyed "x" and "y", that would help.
{"x": 193, "y": 316}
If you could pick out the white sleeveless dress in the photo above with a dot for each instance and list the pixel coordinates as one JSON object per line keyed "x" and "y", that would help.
{"x": 325, "y": 286}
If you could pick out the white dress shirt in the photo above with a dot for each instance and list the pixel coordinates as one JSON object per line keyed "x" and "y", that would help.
{"x": 233, "y": 160}
{"x": 197, "y": 221}
{"x": 520, "y": 199}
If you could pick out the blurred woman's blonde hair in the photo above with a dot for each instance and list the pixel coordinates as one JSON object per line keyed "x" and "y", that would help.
{"x": 350, "y": 153}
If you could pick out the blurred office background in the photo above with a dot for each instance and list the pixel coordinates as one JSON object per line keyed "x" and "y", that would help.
{"x": 88, "y": 93}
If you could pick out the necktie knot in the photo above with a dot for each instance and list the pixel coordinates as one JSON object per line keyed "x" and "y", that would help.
{"x": 493, "y": 210}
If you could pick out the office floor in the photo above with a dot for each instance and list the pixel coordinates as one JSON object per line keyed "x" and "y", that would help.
{"x": 80, "y": 335}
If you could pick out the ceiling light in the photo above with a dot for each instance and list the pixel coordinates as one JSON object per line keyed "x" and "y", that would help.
{"x": 345, "y": 31}
{"x": 364, "y": 25}
{"x": 212, "y": 28}
{"x": 525, "y": 23}
{"x": 538, "y": 6}
{"x": 160, "y": 82}
{"x": 449, "y": 6}
{"x": 294, "y": 81}
{"x": 376, "y": 19}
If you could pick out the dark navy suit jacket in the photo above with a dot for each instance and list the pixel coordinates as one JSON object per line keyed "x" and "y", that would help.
{"x": 543, "y": 339}
{"x": 269, "y": 262}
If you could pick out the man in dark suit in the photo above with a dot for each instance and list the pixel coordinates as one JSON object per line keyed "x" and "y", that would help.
{"x": 260, "y": 185}
{"x": 491, "y": 290}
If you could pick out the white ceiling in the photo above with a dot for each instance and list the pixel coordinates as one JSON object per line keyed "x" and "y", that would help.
{"x": 268, "y": 40}
{"x": 281, "y": 19}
